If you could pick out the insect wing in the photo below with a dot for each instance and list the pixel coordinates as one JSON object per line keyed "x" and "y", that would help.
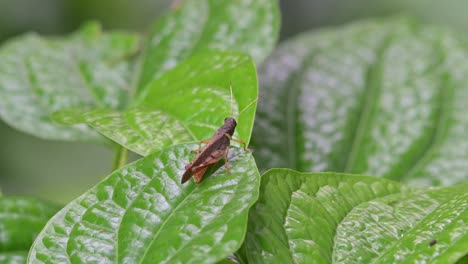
{"x": 212, "y": 153}
{"x": 198, "y": 174}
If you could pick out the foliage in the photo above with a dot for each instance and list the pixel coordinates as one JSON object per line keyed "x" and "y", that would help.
{"x": 142, "y": 214}
{"x": 340, "y": 218}
{"x": 379, "y": 97}
{"x": 21, "y": 219}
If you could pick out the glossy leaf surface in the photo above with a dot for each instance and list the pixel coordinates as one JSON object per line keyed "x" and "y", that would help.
{"x": 198, "y": 25}
{"x": 188, "y": 103}
{"x": 21, "y": 219}
{"x": 341, "y": 218}
{"x": 39, "y": 76}
{"x": 142, "y": 214}
{"x": 94, "y": 76}
{"x": 380, "y": 97}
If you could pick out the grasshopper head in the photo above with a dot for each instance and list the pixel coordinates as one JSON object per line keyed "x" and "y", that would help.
{"x": 229, "y": 125}
{"x": 230, "y": 121}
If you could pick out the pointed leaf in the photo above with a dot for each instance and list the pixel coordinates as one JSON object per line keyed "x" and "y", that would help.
{"x": 198, "y": 25}
{"x": 39, "y": 76}
{"x": 142, "y": 214}
{"x": 21, "y": 219}
{"x": 340, "y": 218}
{"x": 389, "y": 101}
{"x": 188, "y": 103}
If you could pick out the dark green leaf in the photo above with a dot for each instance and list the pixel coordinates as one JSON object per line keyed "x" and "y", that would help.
{"x": 341, "y": 218}
{"x": 198, "y": 25}
{"x": 21, "y": 219}
{"x": 463, "y": 260}
{"x": 141, "y": 214}
{"x": 39, "y": 76}
{"x": 384, "y": 98}
{"x": 188, "y": 103}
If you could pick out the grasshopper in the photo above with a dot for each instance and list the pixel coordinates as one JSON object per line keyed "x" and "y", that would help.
{"x": 215, "y": 149}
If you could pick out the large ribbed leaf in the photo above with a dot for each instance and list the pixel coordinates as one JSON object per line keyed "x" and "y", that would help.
{"x": 142, "y": 214}
{"x": 21, "y": 219}
{"x": 383, "y": 98}
{"x": 342, "y": 218}
{"x": 39, "y": 76}
{"x": 197, "y": 25}
{"x": 92, "y": 76}
{"x": 188, "y": 103}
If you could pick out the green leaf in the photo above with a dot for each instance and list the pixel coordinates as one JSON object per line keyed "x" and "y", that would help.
{"x": 199, "y": 25}
{"x": 230, "y": 260}
{"x": 39, "y": 76}
{"x": 19, "y": 257}
{"x": 342, "y": 218}
{"x": 463, "y": 260}
{"x": 379, "y": 97}
{"x": 173, "y": 110}
{"x": 93, "y": 74}
{"x": 142, "y": 214}
{"x": 21, "y": 219}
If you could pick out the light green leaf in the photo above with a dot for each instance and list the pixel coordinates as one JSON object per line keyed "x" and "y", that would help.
{"x": 188, "y": 103}
{"x": 142, "y": 214}
{"x": 21, "y": 219}
{"x": 379, "y": 97}
{"x": 342, "y": 218}
{"x": 39, "y": 76}
{"x": 198, "y": 25}
{"x": 141, "y": 130}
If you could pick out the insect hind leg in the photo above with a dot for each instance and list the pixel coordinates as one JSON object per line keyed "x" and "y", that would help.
{"x": 226, "y": 161}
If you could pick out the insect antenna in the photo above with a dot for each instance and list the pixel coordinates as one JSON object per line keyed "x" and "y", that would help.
{"x": 232, "y": 103}
{"x": 245, "y": 108}
{"x": 232, "y": 99}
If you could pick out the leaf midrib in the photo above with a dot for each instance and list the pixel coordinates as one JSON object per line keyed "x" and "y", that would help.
{"x": 334, "y": 228}
{"x": 161, "y": 227}
{"x": 445, "y": 92}
{"x": 373, "y": 79}
{"x": 202, "y": 228}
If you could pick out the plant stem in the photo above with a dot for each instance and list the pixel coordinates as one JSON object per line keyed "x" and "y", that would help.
{"x": 120, "y": 158}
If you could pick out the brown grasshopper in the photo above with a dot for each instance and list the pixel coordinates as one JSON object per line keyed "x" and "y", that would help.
{"x": 216, "y": 148}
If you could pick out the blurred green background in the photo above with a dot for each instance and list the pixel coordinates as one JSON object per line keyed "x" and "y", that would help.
{"x": 60, "y": 171}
